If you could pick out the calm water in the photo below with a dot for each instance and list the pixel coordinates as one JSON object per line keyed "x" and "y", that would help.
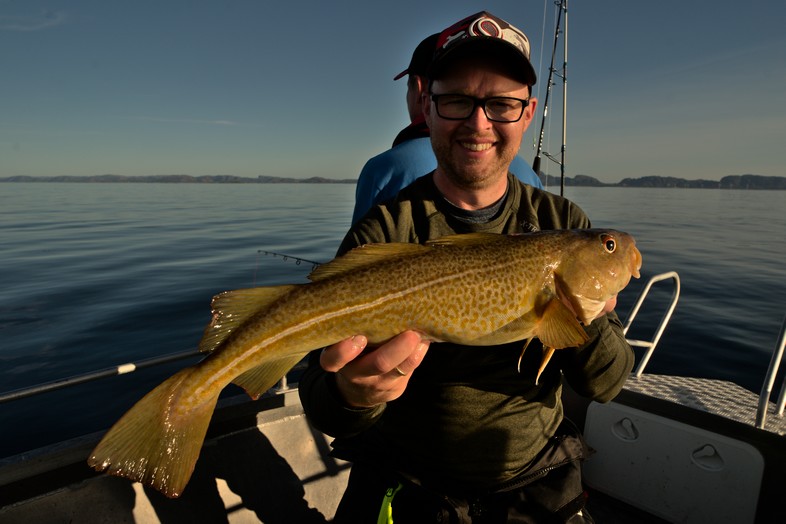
{"x": 96, "y": 275}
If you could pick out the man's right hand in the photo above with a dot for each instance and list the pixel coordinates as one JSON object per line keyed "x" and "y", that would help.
{"x": 370, "y": 378}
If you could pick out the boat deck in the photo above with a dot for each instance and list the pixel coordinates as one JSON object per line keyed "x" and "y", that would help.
{"x": 262, "y": 462}
{"x": 716, "y": 397}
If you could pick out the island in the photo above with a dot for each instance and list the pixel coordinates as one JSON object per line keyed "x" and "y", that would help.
{"x": 727, "y": 182}
{"x": 747, "y": 181}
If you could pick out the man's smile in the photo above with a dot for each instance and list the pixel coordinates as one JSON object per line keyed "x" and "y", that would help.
{"x": 473, "y": 146}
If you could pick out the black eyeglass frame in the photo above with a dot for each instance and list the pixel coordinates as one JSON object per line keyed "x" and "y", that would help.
{"x": 479, "y": 102}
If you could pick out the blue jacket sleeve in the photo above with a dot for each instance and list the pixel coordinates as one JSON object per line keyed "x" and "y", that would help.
{"x": 524, "y": 172}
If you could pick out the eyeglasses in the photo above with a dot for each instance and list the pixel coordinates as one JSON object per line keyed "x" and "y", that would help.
{"x": 496, "y": 108}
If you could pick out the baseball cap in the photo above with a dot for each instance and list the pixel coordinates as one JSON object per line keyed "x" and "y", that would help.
{"x": 491, "y": 31}
{"x": 421, "y": 57}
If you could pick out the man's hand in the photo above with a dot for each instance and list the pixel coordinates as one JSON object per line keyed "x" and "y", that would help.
{"x": 373, "y": 377}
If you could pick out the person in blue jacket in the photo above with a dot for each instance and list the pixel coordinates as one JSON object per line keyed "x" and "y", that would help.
{"x": 411, "y": 155}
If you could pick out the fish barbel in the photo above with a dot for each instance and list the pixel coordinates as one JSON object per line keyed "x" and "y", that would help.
{"x": 475, "y": 289}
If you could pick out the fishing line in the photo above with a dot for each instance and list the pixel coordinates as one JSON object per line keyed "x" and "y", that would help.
{"x": 542, "y": 48}
{"x": 540, "y": 65}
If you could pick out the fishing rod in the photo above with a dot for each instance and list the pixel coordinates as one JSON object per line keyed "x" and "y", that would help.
{"x": 285, "y": 257}
{"x": 562, "y": 7}
{"x": 113, "y": 371}
{"x": 121, "y": 369}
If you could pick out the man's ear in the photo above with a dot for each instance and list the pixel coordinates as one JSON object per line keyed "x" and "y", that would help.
{"x": 425, "y": 102}
{"x": 529, "y": 111}
{"x": 422, "y": 83}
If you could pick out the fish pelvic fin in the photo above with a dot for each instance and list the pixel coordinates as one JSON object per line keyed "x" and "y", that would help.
{"x": 547, "y": 354}
{"x": 365, "y": 255}
{"x": 232, "y": 309}
{"x": 558, "y": 327}
{"x": 526, "y": 345}
{"x": 263, "y": 377}
{"x": 157, "y": 442}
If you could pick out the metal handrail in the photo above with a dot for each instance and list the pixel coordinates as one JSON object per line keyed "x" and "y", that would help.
{"x": 769, "y": 380}
{"x": 663, "y": 323}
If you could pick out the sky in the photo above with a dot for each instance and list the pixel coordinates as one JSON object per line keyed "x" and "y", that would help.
{"x": 693, "y": 89}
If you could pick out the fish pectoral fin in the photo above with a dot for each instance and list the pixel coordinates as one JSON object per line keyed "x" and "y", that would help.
{"x": 231, "y": 309}
{"x": 558, "y": 327}
{"x": 263, "y": 377}
{"x": 365, "y": 255}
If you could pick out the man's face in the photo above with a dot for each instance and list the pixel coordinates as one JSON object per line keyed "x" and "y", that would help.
{"x": 476, "y": 153}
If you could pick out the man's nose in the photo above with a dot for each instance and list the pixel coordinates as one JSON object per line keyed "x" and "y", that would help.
{"x": 478, "y": 118}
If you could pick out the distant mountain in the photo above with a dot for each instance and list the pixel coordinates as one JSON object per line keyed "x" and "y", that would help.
{"x": 578, "y": 181}
{"x": 312, "y": 180}
{"x": 752, "y": 182}
{"x": 727, "y": 182}
{"x": 180, "y": 179}
{"x": 668, "y": 181}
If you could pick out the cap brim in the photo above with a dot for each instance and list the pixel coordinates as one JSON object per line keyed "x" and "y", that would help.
{"x": 401, "y": 74}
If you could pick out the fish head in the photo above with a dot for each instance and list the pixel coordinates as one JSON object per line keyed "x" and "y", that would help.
{"x": 596, "y": 265}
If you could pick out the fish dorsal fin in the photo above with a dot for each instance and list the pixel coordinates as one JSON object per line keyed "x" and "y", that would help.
{"x": 558, "y": 327}
{"x": 231, "y": 309}
{"x": 466, "y": 239}
{"x": 363, "y": 256}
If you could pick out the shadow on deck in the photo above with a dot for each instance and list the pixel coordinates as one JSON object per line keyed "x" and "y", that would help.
{"x": 261, "y": 462}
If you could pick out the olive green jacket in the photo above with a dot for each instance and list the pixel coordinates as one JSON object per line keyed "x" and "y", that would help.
{"x": 468, "y": 417}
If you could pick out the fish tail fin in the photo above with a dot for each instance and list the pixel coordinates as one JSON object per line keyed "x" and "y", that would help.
{"x": 157, "y": 442}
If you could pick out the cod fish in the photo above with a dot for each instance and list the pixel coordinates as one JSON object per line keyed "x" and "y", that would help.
{"x": 474, "y": 289}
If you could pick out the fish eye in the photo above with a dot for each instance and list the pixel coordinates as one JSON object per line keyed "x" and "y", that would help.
{"x": 609, "y": 243}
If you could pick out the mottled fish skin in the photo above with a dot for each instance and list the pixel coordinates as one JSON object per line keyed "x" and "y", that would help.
{"x": 476, "y": 289}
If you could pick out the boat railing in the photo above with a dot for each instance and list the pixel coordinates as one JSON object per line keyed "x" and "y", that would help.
{"x": 769, "y": 382}
{"x": 652, "y": 344}
{"x": 772, "y": 372}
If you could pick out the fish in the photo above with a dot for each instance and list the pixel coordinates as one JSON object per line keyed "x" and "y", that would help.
{"x": 476, "y": 289}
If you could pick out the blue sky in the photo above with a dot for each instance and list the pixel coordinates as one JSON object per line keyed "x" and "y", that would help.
{"x": 695, "y": 89}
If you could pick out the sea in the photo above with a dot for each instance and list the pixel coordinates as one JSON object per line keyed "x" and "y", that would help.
{"x": 95, "y": 275}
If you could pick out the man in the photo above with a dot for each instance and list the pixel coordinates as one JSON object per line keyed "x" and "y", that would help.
{"x": 411, "y": 155}
{"x": 444, "y": 433}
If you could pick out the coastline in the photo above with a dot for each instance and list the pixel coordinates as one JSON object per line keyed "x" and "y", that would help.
{"x": 746, "y": 181}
